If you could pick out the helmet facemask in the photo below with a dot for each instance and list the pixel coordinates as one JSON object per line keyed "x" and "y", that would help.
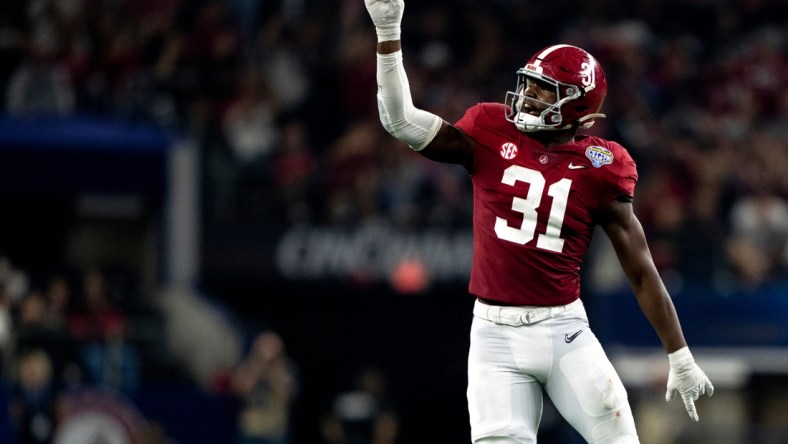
{"x": 550, "y": 118}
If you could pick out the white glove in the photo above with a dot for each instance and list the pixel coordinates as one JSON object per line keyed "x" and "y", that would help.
{"x": 687, "y": 379}
{"x": 387, "y": 16}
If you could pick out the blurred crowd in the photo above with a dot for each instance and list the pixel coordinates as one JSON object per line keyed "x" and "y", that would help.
{"x": 280, "y": 96}
{"x": 73, "y": 348}
{"x": 78, "y": 344}
{"x": 60, "y": 333}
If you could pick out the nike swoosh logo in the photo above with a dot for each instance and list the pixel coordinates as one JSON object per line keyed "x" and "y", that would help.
{"x": 576, "y": 167}
{"x": 570, "y": 338}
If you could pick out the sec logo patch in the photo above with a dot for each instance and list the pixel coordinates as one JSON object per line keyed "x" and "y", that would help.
{"x": 509, "y": 150}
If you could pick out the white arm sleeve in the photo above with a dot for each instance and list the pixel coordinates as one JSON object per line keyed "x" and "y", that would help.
{"x": 399, "y": 117}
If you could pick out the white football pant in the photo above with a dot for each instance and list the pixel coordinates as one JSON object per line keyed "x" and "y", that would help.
{"x": 516, "y": 352}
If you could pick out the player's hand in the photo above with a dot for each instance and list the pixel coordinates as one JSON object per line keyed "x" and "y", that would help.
{"x": 688, "y": 380}
{"x": 386, "y": 16}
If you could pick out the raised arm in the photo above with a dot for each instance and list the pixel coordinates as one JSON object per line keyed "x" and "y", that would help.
{"x": 625, "y": 232}
{"x": 423, "y": 131}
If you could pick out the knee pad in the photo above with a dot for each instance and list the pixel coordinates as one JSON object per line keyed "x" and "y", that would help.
{"x": 605, "y": 416}
{"x": 594, "y": 381}
{"x": 617, "y": 430}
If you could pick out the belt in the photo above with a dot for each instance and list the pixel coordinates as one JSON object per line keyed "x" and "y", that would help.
{"x": 522, "y": 315}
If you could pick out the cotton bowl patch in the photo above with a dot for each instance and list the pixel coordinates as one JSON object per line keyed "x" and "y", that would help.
{"x": 599, "y": 156}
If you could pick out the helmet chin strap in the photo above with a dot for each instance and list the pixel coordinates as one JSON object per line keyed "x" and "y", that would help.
{"x": 529, "y": 123}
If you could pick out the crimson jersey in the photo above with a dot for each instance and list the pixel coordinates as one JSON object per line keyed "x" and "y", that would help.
{"x": 535, "y": 208}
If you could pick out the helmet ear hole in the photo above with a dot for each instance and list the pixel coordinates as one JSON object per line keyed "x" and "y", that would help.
{"x": 581, "y": 109}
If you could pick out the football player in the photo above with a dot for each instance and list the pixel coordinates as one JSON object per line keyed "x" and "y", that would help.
{"x": 540, "y": 188}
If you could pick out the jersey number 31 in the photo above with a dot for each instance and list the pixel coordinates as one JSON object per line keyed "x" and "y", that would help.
{"x": 559, "y": 191}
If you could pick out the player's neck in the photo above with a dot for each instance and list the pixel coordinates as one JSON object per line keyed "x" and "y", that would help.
{"x": 553, "y": 138}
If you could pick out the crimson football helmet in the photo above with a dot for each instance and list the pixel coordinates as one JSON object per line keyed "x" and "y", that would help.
{"x": 579, "y": 84}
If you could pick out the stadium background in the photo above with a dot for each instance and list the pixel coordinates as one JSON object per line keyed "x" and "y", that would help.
{"x": 222, "y": 164}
